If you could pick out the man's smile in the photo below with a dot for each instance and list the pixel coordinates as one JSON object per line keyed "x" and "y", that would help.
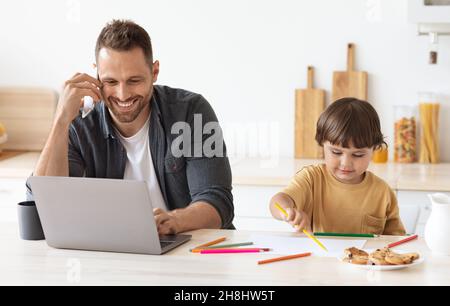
{"x": 125, "y": 106}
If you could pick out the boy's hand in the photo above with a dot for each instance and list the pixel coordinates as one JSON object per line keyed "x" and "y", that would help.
{"x": 298, "y": 219}
{"x": 283, "y": 208}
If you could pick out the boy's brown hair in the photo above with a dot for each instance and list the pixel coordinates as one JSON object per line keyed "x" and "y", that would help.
{"x": 350, "y": 120}
{"x": 125, "y": 35}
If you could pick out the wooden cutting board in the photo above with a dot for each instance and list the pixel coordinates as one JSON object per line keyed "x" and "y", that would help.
{"x": 309, "y": 104}
{"x": 27, "y": 114}
{"x": 350, "y": 83}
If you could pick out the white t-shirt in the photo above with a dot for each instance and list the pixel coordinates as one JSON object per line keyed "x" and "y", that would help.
{"x": 139, "y": 164}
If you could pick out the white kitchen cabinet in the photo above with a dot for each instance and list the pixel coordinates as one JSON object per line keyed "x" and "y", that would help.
{"x": 251, "y": 204}
{"x": 429, "y": 11}
{"x": 12, "y": 192}
{"x": 409, "y": 214}
{"x": 261, "y": 224}
{"x": 419, "y": 201}
{"x": 253, "y": 201}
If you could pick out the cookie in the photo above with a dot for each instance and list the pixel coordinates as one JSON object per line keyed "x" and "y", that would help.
{"x": 377, "y": 258}
{"x": 414, "y": 256}
{"x": 381, "y": 257}
{"x": 356, "y": 256}
{"x": 350, "y": 252}
{"x": 401, "y": 259}
{"x": 360, "y": 260}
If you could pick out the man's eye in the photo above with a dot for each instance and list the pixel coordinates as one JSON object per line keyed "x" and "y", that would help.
{"x": 134, "y": 81}
{"x": 337, "y": 153}
{"x": 110, "y": 82}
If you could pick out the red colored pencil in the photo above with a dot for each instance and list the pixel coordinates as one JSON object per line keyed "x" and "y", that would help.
{"x": 394, "y": 244}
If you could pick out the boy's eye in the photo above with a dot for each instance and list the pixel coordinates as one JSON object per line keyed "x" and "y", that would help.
{"x": 358, "y": 155}
{"x": 336, "y": 152}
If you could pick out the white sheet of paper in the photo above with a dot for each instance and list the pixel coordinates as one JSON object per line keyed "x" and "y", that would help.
{"x": 295, "y": 245}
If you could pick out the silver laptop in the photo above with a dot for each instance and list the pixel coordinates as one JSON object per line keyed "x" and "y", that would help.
{"x": 99, "y": 215}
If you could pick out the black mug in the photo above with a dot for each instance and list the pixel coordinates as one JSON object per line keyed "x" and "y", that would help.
{"x": 30, "y": 227}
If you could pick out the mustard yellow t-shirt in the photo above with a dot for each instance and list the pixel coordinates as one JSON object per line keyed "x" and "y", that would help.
{"x": 369, "y": 207}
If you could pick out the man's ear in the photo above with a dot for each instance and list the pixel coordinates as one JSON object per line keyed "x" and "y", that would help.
{"x": 155, "y": 71}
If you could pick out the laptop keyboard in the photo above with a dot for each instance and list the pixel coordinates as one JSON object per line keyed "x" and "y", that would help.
{"x": 165, "y": 243}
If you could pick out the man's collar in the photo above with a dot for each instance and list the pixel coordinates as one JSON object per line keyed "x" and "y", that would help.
{"x": 106, "y": 122}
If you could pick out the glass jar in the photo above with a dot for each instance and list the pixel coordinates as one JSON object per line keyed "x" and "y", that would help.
{"x": 405, "y": 143}
{"x": 380, "y": 156}
{"x": 429, "y": 109}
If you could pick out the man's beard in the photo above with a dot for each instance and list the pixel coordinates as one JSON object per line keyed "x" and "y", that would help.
{"x": 139, "y": 104}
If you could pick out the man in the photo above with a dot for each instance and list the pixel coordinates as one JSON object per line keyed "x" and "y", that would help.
{"x": 129, "y": 135}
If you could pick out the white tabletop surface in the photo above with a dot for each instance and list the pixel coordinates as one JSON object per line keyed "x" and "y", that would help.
{"x": 34, "y": 263}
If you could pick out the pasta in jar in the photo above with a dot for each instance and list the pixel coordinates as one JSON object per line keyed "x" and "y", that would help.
{"x": 405, "y": 145}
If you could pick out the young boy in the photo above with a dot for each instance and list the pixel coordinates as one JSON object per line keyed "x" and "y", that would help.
{"x": 341, "y": 196}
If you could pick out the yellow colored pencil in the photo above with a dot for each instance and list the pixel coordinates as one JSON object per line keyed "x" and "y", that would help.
{"x": 278, "y": 206}
{"x": 315, "y": 240}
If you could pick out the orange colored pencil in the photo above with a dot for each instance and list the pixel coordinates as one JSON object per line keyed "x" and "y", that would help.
{"x": 210, "y": 243}
{"x": 262, "y": 262}
{"x": 222, "y": 246}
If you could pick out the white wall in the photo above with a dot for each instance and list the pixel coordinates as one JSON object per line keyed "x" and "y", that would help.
{"x": 245, "y": 56}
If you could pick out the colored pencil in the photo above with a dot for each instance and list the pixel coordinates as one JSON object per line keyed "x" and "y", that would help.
{"x": 223, "y": 246}
{"x": 284, "y": 212}
{"x": 278, "y": 206}
{"x": 304, "y": 231}
{"x": 210, "y": 243}
{"x": 262, "y": 262}
{"x": 346, "y": 235}
{"x": 315, "y": 240}
{"x": 394, "y": 244}
{"x": 231, "y": 251}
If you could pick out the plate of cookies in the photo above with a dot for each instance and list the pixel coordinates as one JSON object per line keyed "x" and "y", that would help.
{"x": 381, "y": 259}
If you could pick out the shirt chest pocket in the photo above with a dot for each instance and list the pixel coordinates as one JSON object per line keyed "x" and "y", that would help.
{"x": 174, "y": 164}
{"x": 373, "y": 225}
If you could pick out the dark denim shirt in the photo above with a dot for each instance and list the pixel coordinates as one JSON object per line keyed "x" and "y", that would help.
{"x": 96, "y": 152}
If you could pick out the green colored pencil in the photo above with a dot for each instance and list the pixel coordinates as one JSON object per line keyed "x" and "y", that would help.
{"x": 346, "y": 235}
{"x": 234, "y": 245}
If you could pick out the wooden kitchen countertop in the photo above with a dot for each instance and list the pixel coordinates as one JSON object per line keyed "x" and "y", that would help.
{"x": 261, "y": 172}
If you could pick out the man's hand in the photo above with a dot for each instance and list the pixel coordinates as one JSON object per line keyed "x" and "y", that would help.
{"x": 166, "y": 223}
{"x": 71, "y": 99}
{"x": 54, "y": 159}
{"x": 198, "y": 215}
